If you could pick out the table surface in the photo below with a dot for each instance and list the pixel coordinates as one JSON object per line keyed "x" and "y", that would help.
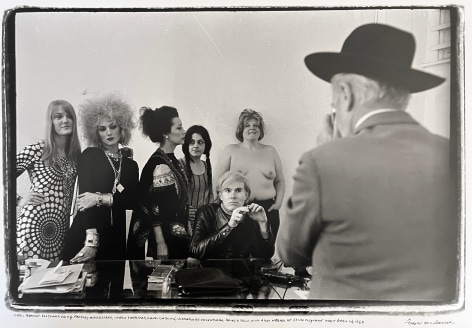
{"x": 126, "y": 282}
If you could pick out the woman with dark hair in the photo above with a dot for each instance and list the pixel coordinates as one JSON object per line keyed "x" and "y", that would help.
{"x": 258, "y": 162}
{"x": 45, "y": 212}
{"x": 197, "y": 143}
{"x": 107, "y": 182}
{"x": 232, "y": 227}
{"x": 161, "y": 217}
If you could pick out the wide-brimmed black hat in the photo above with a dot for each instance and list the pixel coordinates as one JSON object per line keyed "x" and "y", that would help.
{"x": 376, "y": 51}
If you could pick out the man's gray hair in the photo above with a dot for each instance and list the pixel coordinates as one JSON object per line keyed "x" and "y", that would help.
{"x": 374, "y": 92}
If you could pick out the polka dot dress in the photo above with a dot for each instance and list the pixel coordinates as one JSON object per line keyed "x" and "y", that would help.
{"x": 41, "y": 229}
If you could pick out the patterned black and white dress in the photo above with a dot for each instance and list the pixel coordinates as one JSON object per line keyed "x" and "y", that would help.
{"x": 41, "y": 229}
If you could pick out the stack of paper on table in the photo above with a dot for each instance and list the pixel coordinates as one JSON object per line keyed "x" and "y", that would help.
{"x": 54, "y": 280}
{"x": 159, "y": 278}
{"x": 160, "y": 273}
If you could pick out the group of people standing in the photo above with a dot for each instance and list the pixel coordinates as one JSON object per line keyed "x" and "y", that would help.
{"x": 176, "y": 211}
{"x": 372, "y": 209}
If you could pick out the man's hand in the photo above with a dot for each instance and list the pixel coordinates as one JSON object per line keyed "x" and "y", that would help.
{"x": 237, "y": 216}
{"x": 328, "y": 131}
{"x": 257, "y": 213}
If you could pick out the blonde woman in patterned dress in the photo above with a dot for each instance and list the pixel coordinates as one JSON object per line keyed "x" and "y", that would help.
{"x": 43, "y": 219}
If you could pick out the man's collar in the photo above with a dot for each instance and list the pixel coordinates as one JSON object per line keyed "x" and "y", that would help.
{"x": 383, "y": 116}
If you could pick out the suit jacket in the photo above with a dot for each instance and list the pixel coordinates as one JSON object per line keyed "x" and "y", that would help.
{"x": 374, "y": 214}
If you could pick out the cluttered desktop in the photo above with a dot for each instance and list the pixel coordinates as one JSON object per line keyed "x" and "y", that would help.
{"x": 148, "y": 281}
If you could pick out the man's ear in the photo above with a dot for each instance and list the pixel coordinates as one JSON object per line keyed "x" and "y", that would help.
{"x": 347, "y": 99}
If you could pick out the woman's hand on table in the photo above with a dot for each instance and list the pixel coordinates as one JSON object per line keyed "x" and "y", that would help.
{"x": 193, "y": 263}
{"x": 87, "y": 253}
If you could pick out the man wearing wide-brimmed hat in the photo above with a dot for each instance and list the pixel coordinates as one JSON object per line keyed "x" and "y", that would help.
{"x": 373, "y": 211}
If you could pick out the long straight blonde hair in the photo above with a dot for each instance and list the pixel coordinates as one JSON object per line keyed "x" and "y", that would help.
{"x": 50, "y": 156}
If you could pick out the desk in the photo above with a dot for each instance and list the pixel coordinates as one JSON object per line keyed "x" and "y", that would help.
{"x": 126, "y": 282}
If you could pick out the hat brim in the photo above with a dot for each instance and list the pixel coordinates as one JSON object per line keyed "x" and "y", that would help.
{"x": 326, "y": 64}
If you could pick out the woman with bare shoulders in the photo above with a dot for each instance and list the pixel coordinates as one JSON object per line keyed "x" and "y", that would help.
{"x": 260, "y": 163}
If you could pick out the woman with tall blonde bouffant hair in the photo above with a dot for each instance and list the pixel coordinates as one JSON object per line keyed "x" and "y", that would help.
{"x": 107, "y": 182}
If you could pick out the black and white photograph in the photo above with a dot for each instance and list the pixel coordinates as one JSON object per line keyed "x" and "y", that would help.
{"x": 279, "y": 165}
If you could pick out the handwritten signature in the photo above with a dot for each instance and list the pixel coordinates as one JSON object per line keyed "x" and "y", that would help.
{"x": 411, "y": 322}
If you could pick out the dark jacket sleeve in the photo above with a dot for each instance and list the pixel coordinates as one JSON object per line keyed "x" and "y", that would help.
{"x": 260, "y": 247}
{"x": 206, "y": 239}
{"x": 87, "y": 181}
{"x": 144, "y": 188}
{"x": 92, "y": 178}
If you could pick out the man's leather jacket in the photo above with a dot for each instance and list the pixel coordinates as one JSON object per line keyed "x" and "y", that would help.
{"x": 243, "y": 241}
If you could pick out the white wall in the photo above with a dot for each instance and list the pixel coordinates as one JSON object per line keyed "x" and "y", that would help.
{"x": 209, "y": 65}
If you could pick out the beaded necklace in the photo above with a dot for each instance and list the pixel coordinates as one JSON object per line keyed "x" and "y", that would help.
{"x": 113, "y": 156}
{"x": 116, "y": 184}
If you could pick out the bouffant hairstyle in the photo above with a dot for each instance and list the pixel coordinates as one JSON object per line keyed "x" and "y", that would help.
{"x": 112, "y": 107}
{"x": 246, "y": 115}
{"x": 185, "y": 149}
{"x": 231, "y": 177}
{"x": 50, "y": 157}
{"x": 155, "y": 123}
